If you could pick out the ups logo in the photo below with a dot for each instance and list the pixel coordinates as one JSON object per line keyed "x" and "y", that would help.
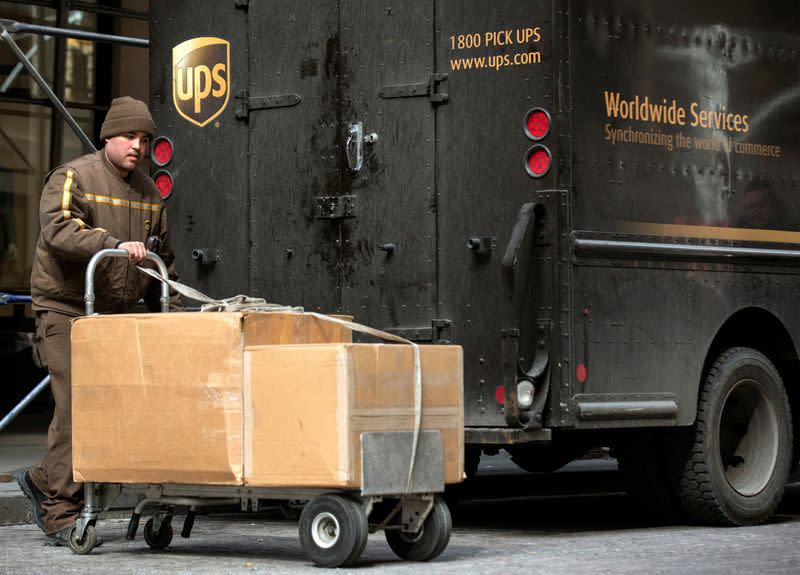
{"x": 201, "y": 78}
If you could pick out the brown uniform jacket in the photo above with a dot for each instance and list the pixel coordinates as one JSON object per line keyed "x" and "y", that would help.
{"x": 86, "y": 207}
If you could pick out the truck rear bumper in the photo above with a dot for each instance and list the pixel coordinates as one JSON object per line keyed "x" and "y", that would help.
{"x": 504, "y": 436}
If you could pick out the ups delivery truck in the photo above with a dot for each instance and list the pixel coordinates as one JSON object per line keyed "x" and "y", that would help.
{"x": 599, "y": 200}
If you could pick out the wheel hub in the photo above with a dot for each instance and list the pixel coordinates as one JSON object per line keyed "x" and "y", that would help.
{"x": 749, "y": 437}
{"x": 325, "y": 530}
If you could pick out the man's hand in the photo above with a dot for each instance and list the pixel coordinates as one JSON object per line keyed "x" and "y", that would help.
{"x": 136, "y": 251}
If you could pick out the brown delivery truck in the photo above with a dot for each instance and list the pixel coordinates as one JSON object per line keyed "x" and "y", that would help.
{"x": 597, "y": 200}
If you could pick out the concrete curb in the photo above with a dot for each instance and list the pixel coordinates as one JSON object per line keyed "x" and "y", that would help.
{"x": 15, "y": 509}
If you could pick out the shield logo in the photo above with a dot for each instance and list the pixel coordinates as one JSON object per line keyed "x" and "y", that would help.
{"x": 201, "y": 78}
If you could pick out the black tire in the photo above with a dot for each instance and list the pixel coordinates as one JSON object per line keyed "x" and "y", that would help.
{"x": 161, "y": 539}
{"x": 431, "y": 540}
{"x": 86, "y": 544}
{"x": 333, "y": 530}
{"x": 737, "y": 463}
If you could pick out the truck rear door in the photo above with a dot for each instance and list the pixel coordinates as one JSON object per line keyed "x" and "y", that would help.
{"x": 293, "y": 148}
{"x": 389, "y": 248}
{"x": 342, "y": 158}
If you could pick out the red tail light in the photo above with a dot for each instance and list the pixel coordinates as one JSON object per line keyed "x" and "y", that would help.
{"x": 164, "y": 183}
{"x": 537, "y": 161}
{"x": 581, "y": 373}
{"x": 537, "y": 124}
{"x": 162, "y": 151}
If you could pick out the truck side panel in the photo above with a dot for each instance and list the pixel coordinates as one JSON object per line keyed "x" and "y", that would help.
{"x": 685, "y": 122}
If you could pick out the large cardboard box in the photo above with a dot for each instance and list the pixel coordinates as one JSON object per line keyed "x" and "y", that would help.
{"x": 265, "y": 399}
{"x": 158, "y": 397}
{"x": 307, "y": 405}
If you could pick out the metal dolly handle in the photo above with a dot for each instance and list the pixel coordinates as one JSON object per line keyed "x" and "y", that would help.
{"x": 89, "y": 296}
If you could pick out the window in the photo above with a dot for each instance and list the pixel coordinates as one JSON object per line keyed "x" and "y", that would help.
{"x": 34, "y": 138}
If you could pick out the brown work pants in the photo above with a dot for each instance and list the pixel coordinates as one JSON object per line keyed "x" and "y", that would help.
{"x": 53, "y": 476}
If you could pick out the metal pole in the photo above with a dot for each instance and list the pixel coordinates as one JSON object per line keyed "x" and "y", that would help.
{"x": 59, "y": 86}
{"x": 22, "y": 404}
{"x": 13, "y": 27}
{"x": 45, "y": 88}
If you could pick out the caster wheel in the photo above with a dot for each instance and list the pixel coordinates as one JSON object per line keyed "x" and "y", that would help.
{"x": 84, "y": 545}
{"x": 431, "y": 540}
{"x": 158, "y": 540}
{"x": 333, "y": 530}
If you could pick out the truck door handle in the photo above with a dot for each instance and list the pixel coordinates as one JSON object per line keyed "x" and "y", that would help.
{"x": 355, "y": 145}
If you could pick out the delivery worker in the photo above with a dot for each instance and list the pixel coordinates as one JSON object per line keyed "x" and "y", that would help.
{"x": 98, "y": 201}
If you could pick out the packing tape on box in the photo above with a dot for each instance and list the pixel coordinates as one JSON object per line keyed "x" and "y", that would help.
{"x": 247, "y": 303}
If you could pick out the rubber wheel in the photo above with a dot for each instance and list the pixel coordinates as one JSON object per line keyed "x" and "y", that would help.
{"x": 160, "y": 540}
{"x": 431, "y": 540}
{"x": 737, "y": 463}
{"x": 333, "y": 530}
{"x": 85, "y": 545}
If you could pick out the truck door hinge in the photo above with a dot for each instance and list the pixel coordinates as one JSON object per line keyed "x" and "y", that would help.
{"x": 438, "y": 332}
{"x": 435, "y": 89}
{"x": 249, "y": 104}
{"x": 336, "y": 207}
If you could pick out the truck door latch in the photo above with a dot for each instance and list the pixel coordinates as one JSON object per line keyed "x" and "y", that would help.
{"x": 435, "y": 89}
{"x": 336, "y": 207}
{"x": 354, "y": 148}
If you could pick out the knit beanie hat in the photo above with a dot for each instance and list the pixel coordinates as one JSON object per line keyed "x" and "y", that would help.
{"x": 127, "y": 114}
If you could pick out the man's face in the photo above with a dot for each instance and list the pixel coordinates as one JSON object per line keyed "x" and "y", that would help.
{"x": 127, "y": 150}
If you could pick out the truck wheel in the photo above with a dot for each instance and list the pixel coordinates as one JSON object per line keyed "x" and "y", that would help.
{"x": 740, "y": 454}
{"x": 433, "y": 536}
{"x": 333, "y": 530}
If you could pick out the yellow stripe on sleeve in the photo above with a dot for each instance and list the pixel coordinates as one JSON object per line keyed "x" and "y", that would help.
{"x": 66, "y": 195}
{"x": 121, "y": 203}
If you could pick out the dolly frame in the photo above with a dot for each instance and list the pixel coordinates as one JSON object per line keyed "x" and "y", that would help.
{"x": 334, "y": 523}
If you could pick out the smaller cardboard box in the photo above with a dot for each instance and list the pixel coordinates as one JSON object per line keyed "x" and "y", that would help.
{"x": 157, "y": 398}
{"x": 306, "y": 407}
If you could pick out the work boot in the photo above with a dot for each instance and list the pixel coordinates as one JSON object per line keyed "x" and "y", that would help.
{"x": 35, "y": 495}
{"x": 58, "y": 539}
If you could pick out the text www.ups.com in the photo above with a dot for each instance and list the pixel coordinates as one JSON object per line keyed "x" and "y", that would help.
{"x": 495, "y": 62}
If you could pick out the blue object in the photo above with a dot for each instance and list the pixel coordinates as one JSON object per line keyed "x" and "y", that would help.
{"x": 10, "y": 298}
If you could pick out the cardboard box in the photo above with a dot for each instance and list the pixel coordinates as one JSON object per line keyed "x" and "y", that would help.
{"x": 235, "y": 398}
{"x": 307, "y": 405}
{"x": 158, "y": 397}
